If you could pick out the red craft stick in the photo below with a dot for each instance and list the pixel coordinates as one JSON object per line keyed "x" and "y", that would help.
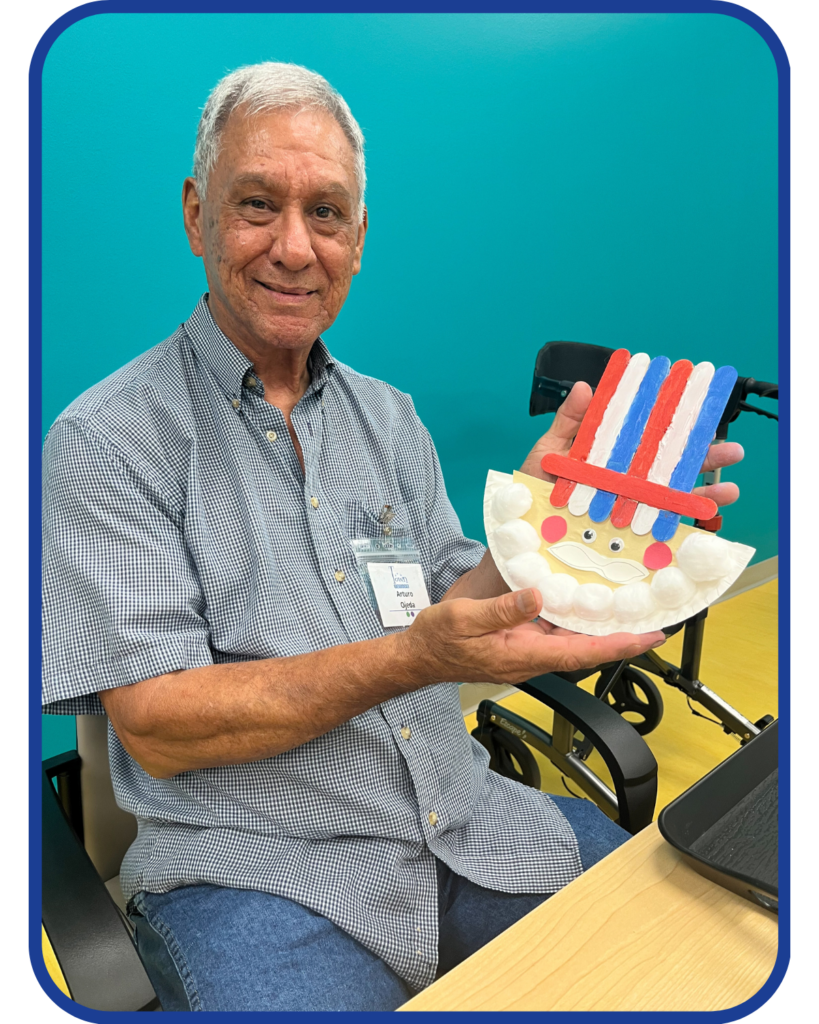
{"x": 681, "y": 502}
{"x": 615, "y": 368}
{"x": 658, "y": 422}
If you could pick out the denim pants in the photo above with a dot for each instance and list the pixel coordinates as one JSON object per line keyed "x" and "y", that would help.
{"x": 206, "y": 947}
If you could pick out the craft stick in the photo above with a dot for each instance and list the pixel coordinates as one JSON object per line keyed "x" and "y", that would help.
{"x": 610, "y": 426}
{"x": 655, "y": 495}
{"x": 658, "y": 422}
{"x": 615, "y": 368}
{"x": 670, "y": 451}
{"x": 630, "y": 433}
{"x": 688, "y": 468}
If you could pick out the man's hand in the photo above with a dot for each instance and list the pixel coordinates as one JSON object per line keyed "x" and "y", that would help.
{"x": 558, "y": 438}
{"x": 497, "y": 641}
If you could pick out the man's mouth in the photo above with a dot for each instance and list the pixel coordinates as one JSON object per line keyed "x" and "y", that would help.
{"x": 615, "y": 570}
{"x": 285, "y": 293}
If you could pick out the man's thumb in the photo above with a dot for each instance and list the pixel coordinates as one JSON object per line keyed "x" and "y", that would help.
{"x": 508, "y": 610}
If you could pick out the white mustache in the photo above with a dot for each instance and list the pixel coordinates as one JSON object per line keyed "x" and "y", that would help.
{"x": 615, "y": 570}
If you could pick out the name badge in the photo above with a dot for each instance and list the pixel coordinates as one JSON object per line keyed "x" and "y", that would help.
{"x": 400, "y": 591}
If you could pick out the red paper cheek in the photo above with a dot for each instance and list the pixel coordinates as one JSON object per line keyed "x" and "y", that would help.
{"x": 553, "y": 528}
{"x": 657, "y": 556}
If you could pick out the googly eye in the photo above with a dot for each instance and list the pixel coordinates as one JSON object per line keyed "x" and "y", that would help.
{"x": 616, "y": 545}
{"x": 590, "y": 536}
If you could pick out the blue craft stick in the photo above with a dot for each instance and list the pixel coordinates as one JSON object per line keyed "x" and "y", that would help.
{"x": 688, "y": 468}
{"x": 628, "y": 440}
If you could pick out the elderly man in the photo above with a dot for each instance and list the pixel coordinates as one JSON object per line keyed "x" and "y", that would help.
{"x": 316, "y": 828}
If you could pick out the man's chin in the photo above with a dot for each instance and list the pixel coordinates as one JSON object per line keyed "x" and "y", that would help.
{"x": 289, "y": 330}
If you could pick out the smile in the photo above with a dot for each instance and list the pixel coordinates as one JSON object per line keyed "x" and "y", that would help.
{"x": 615, "y": 570}
{"x": 290, "y": 296}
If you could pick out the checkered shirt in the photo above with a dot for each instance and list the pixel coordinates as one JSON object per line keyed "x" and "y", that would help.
{"x": 179, "y": 531}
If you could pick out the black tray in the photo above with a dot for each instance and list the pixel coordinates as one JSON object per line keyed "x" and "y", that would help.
{"x": 726, "y": 824}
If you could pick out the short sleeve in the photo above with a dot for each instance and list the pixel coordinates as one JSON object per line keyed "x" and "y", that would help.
{"x": 121, "y": 598}
{"x": 451, "y": 554}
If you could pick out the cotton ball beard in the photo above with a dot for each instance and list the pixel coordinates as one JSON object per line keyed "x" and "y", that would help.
{"x": 511, "y": 502}
{"x": 528, "y": 570}
{"x": 593, "y": 601}
{"x": 704, "y": 557}
{"x": 515, "y": 538}
{"x": 632, "y": 602}
{"x": 557, "y": 592}
{"x": 671, "y": 588}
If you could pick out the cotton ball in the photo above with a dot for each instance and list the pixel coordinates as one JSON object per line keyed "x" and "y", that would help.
{"x": 633, "y": 602}
{"x": 671, "y": 588}
{"x": 511, "y": 501}
{"x": 593, "y": 601}
{"x": 515, "y": 537}
{"x": 557, "y": 591}
{"x": 528, "y": 569}
{"x": 702, "y": 556}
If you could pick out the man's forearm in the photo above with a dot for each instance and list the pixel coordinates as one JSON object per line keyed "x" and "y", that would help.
{"x": 250, "y": 710}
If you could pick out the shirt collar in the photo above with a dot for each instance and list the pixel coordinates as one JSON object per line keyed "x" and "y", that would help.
{"x": 230, "y": 366}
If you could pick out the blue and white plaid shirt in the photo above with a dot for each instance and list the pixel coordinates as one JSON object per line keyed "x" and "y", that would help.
{"x": 179, "y": 531}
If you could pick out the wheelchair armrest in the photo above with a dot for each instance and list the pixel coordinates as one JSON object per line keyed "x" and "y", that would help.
{"x": 87, "y": 933}
{"x": 626, "y": 754}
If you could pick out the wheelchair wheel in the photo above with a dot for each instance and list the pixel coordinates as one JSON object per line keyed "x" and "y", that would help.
{"x": 636, "y": 695}
{"x": 509, "y": 756}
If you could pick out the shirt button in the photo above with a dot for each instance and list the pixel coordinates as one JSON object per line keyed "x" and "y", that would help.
{"x": 235, "y": 403}
{"x": 251, "y": 382}
{"x": 340, "y": 576}
{"x": 313, "y": 501}
{"x": 271, "y": 436}
{"x": 432, "y": 817}
{"x": 406, "y": 732}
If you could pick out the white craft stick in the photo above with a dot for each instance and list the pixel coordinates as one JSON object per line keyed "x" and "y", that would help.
{"x": 673, "y": 443}
{"x": 610, "y": 427}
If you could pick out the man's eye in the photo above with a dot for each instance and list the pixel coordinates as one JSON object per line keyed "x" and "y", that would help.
{"x": 324, "y": 212}
{"x": 590, "y": 536}
{"x": 616, "y": 545}
{"x": 257, "y": 204}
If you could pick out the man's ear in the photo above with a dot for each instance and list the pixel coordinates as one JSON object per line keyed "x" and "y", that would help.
{"x": 192, "y": 214}
{"x": 359, "y": 245}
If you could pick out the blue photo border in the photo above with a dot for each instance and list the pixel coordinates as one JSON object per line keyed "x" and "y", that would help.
{"x": 35, "y": 413}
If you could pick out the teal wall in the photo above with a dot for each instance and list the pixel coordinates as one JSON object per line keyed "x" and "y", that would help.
{"x": 600, "y": 178}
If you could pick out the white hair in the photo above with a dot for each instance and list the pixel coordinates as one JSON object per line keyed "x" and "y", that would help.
{"x": 271, "y": 86}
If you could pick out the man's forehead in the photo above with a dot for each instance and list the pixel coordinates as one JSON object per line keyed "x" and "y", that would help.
{"x": 270, "y": 181}
{"x": 303, "y": 130}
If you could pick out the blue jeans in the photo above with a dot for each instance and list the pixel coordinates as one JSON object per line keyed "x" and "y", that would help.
{"x": 211, "y": 948}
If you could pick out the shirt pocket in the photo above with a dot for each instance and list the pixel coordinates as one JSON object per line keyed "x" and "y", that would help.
{"x": 364, "y": 521}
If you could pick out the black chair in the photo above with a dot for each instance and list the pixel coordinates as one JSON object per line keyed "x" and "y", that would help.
{"x": 85, "y": 836}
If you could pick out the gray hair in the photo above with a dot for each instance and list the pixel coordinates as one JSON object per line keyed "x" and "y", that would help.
{"x": 271, "y": 86}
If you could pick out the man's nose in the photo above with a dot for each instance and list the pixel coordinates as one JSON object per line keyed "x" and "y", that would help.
{"x": 292, "y": 245}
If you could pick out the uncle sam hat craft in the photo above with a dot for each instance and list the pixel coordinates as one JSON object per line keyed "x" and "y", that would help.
{"x": 604, "y": 544}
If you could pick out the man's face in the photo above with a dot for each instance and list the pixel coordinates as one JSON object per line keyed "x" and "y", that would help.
{"x": 279, "y": 231}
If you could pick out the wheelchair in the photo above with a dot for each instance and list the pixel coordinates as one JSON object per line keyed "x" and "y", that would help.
{"x": 627, "y": 687}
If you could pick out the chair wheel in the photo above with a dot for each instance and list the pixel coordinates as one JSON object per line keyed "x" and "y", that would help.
{"x": 508, "y": 755}
{"x": 635, "y": 693}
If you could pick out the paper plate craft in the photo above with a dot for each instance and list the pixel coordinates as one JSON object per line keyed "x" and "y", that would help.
{"x": 604, "y": 543}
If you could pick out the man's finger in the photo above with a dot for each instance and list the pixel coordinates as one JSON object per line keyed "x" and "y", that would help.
{"x": 722, "y": 493}
{"x": 569, "y": 416}
{"x": 504, "y": 612}
{"x": 720, "y": 455}
{"x": 580, "y": 651}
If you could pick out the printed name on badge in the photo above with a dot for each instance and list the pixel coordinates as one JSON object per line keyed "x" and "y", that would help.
{"x": 399, "y": 590}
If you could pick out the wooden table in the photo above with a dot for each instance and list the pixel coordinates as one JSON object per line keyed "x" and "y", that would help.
{"x": 641, "y": 930}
